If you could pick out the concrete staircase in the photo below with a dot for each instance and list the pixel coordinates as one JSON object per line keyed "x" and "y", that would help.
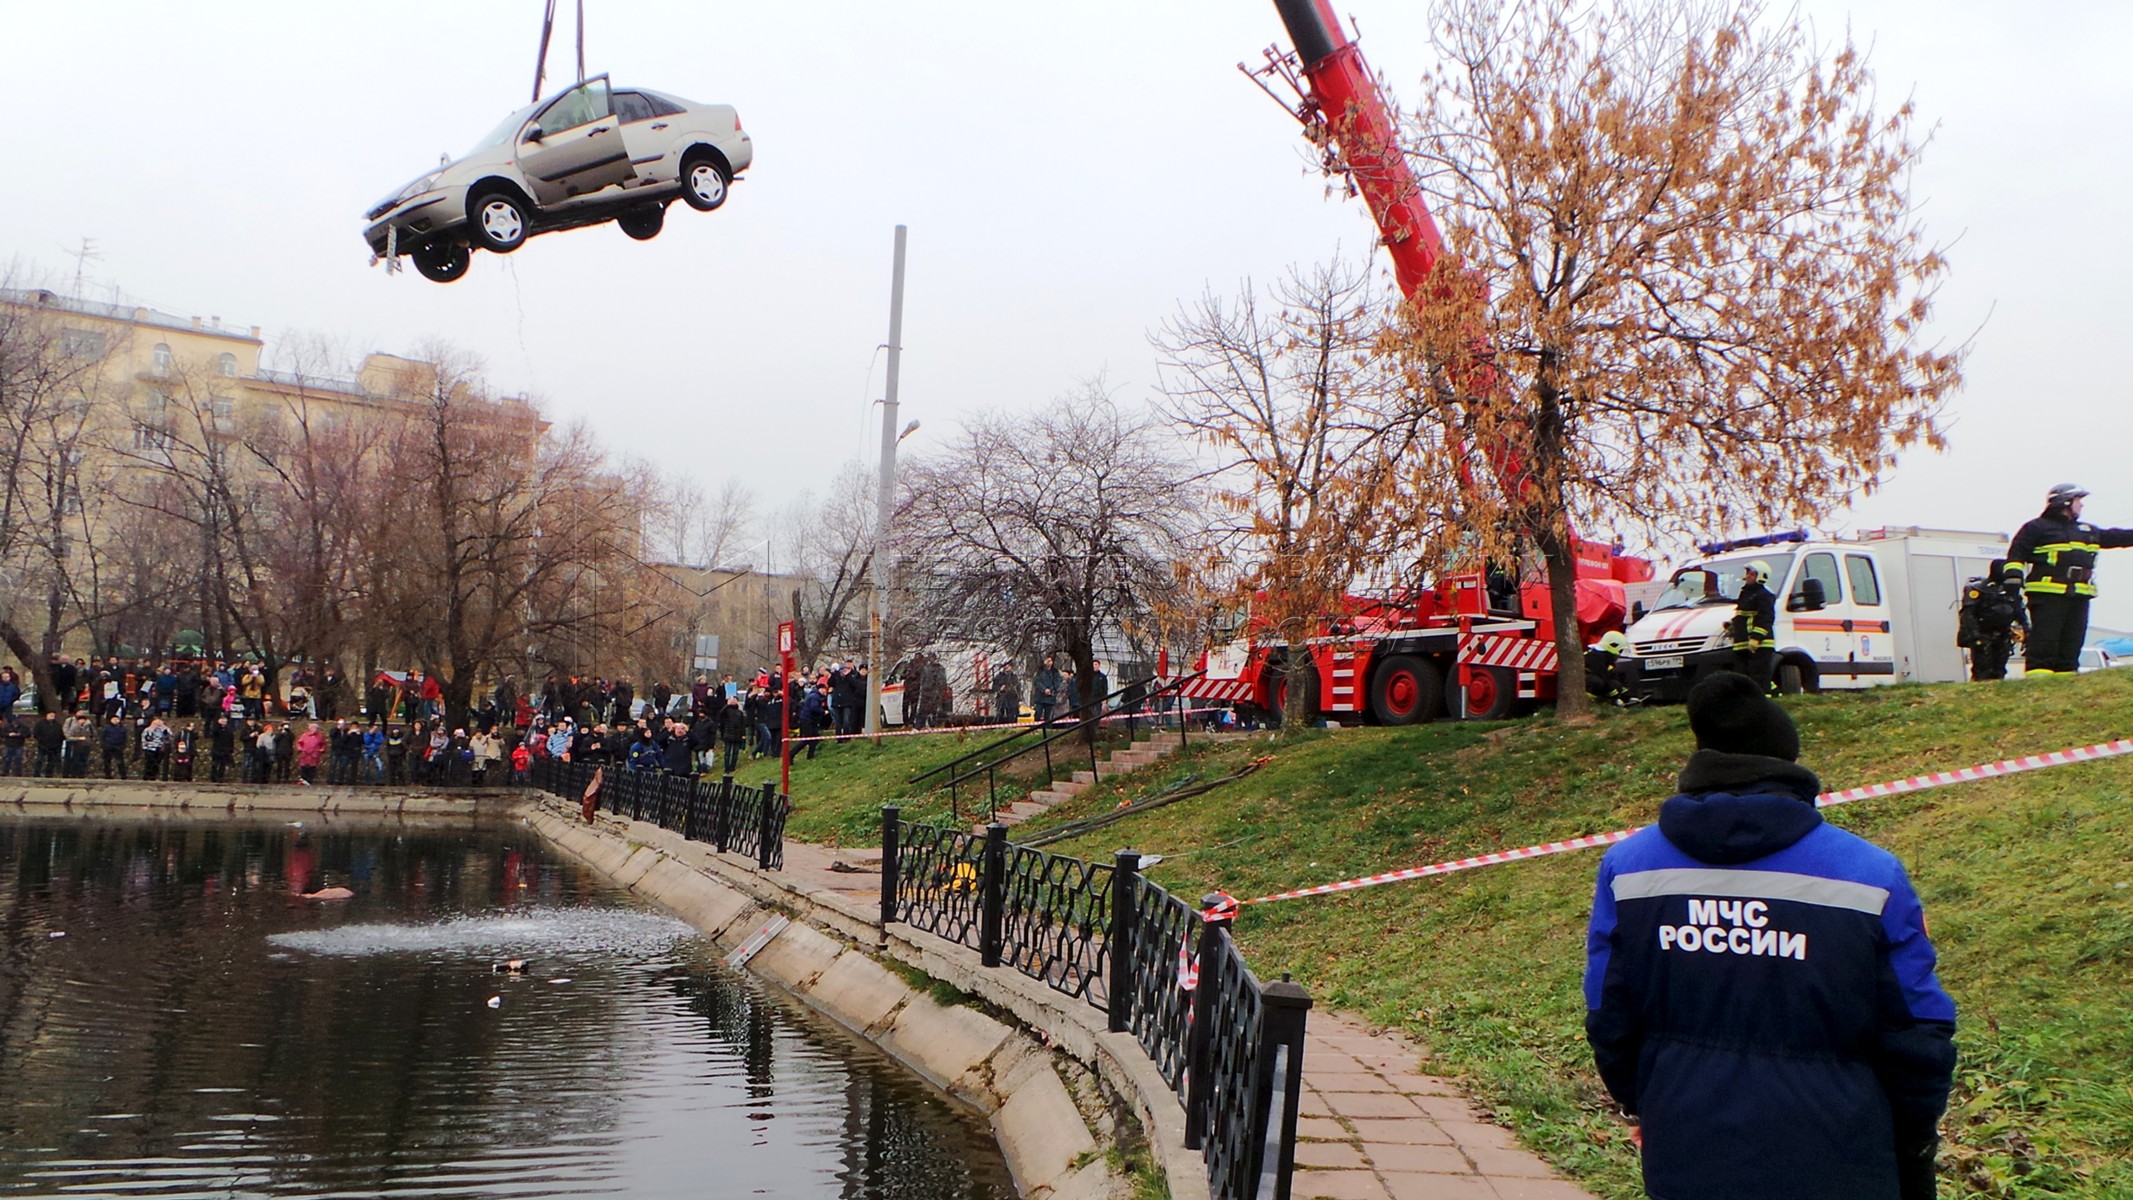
{"x": 1115, "y": 763}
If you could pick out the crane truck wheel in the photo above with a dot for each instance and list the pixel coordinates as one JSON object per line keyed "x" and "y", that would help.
{"x": 1405, "y": 690}
{"x": 1491, "y": 694}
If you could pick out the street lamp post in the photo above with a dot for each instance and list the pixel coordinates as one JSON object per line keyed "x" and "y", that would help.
{"x": 885, "y": 500}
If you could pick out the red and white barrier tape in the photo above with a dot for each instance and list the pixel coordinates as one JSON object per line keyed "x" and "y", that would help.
{"x": 1916, "y": 783}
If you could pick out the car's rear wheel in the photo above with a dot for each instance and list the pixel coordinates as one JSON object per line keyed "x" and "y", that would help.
{"x": 497, "y": 222}
{"x": 643, "y": 224}
{"x": 703, "y": 181}
{"x": 442, "y": 264}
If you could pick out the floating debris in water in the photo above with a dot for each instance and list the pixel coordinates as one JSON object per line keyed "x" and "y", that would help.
{"x": 496, "y": 1002}
{"x": 57, "y": 934}
{"x": 515, "y": 966}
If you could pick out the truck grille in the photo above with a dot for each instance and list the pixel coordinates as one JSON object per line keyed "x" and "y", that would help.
{"x": 1677, "y": 646}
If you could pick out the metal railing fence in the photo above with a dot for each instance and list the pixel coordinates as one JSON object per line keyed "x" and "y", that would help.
{"x": 744, "y": 820}
{"x": 1167, "y": 973}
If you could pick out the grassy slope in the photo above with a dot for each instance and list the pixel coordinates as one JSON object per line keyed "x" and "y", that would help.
{"x": 838, "y": 794}
{"x": 2028, "y": 883}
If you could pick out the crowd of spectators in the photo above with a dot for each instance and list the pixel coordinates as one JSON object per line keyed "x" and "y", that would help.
{"x": 214, "y": 721}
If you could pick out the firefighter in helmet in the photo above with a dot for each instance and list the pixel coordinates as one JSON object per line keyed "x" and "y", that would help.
{"x": 2053, "y": 557}
{"x": 1603, "y": 668}
{"x": 1753, "y": 625}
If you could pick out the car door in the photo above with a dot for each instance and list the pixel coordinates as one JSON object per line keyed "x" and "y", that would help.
{"x": 575, "y": 147}
{"x": 1873, "y": 634}
{"x": 1822, "y": 632}
{"x": 647, "y": 135}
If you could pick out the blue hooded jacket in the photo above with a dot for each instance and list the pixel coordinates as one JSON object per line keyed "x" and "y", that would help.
{"x": 1760, "y": 991}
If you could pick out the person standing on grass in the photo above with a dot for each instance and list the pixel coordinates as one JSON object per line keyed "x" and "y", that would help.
{"x": 1759, "y": 988}
{"x": 733, "y": 732}
{"x": 1044, "y": 690}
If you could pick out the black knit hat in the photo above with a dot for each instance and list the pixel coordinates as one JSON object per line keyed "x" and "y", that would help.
{"x": 1730, "y": 715}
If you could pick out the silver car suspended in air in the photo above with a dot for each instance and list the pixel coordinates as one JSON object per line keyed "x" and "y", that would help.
{"x": 590, "y": 155}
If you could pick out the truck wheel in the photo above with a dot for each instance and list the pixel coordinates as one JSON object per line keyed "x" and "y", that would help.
{"x": 1407, "y": 689}
{"x": 1490, "y": 694}
{"x": 1793, "y": 679}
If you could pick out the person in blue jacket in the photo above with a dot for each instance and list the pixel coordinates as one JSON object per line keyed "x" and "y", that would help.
{"x": 1759, "y": 988}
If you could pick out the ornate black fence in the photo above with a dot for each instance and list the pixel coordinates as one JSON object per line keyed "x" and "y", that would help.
{"x": 744, "y": 820}
{"x": 1160, "y": 969}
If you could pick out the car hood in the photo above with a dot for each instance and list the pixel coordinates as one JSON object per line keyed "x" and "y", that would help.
{"x": 1681, "y": 624}
{"x": 451, "y": 172}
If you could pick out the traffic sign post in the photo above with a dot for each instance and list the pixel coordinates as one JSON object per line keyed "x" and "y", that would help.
{"x": 785, "y": 644}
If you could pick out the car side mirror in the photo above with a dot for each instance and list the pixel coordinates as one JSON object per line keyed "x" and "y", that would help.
{"x": 533, "y": 133}
{"x": 1636, "y": 612}
{"x": 1810, "y": 598}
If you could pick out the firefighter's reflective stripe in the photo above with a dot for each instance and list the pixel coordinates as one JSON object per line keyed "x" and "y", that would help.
{"x": 2052, "y": 552}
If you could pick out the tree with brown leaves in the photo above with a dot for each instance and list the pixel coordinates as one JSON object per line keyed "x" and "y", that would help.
{"x": 1682, "y": 243}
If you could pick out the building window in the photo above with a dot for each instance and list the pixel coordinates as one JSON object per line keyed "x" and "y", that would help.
{"x": 227, "y": 364}
{"x": 162, "y": 358}
{"x": 224, "y": 407}
{"x": 81, "y": 344}
{"x": 149, "y": 437}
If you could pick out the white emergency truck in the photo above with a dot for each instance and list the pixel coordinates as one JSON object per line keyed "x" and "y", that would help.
{"x": 1852, "y": 612}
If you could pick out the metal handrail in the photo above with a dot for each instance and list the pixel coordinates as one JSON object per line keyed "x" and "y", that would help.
{"x": 1174, "y": 687}
{"x": 1023, "y": 731}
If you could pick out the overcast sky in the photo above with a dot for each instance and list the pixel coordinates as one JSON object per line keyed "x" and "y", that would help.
{"x": 1070, "y": 173}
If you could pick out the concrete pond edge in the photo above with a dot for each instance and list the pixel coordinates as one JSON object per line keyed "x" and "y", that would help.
{"x": 1040, "y": 1067}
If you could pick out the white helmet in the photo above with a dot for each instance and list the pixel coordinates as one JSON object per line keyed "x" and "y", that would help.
{"x": 1761, "y": 569}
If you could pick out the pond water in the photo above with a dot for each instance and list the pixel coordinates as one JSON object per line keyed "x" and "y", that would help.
{"x": 177, "y": 1020}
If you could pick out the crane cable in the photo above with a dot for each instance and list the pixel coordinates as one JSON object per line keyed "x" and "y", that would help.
{"x": 540, "y": 59}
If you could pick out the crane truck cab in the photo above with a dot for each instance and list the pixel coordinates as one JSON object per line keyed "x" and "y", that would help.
{"x": 1857, "y": 612}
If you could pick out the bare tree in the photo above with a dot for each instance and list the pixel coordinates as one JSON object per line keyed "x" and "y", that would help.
{"x": 52, "y": 380}
{"x": 1046, "y": 530}
{"x": 1686, "y": 233}
{"x": 495, "y": 533}
{"x": 1305, "y": 419}
{"x": 829, "y": 545}
{"x": 688, "y": 527}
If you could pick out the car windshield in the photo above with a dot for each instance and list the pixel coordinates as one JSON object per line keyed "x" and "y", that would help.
{"x": 502, "y": 133}
{"x": 1717, "y": 581}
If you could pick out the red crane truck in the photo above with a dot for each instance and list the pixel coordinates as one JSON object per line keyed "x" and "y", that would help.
{"x": 1478, "y": 645}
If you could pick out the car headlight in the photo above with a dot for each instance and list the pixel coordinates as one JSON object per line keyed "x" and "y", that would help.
{"x": 412, "y": 190}
{"x": 417, "y": 187}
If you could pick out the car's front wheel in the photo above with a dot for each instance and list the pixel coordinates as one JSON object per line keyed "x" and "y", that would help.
{"x": 497, "y": 222}
{"x": 442, "y": 264}
{"x": 703, "y": 181}
{"x": 643, "y": 224}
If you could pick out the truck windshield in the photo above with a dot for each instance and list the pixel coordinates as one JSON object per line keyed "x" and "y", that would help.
{"x": 1718, "y": 581}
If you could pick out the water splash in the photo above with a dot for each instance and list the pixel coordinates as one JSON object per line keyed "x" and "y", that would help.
{"x": 570, "y": 931}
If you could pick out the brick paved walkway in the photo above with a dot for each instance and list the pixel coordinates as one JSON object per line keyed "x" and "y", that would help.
{"x": 1372, "y": 1127}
